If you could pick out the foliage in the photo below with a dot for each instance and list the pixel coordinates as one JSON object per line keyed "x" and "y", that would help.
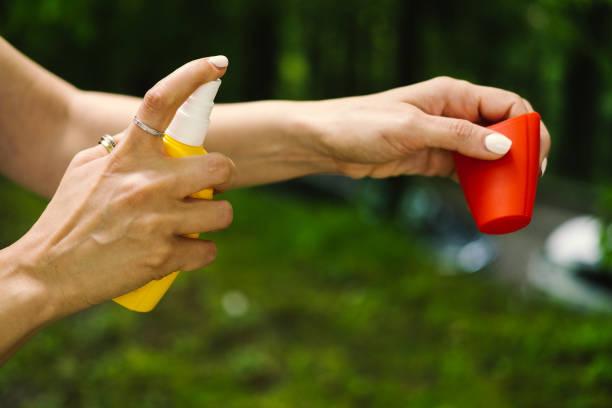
{"x": 340, "y": 313}
{"x": 555, "y": 53}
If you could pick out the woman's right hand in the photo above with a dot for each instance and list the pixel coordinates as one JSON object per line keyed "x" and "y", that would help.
{"x": 116, "y": 221}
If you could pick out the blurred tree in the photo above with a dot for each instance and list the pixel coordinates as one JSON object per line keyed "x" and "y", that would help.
{"x": 555, "y": 53}
{"x": 584, "y": 84}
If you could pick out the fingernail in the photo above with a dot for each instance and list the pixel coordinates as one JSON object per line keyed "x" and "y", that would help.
{"x": 219, "y": 61}
{"x": 497, "y": 143}
{"x": 543, "y": 167}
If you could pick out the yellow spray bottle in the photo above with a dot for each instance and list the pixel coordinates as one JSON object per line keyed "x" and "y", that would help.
{"x": 184, "y": 137}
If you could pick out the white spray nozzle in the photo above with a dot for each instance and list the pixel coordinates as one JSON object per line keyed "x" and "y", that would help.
{"x": 191, "y": 121}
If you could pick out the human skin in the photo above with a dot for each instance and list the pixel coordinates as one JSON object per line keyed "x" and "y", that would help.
{"x": 131, "y": 200}
{"x": 93, "y": 241}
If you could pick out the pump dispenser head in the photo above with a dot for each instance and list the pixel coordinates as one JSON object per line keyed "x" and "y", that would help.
{"x": 191, "y": 121}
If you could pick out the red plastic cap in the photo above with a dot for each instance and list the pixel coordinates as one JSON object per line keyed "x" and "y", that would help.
{"x": 500, "y": 193}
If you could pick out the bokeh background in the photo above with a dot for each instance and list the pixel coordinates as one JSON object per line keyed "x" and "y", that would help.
{"x": 339, "y": 293}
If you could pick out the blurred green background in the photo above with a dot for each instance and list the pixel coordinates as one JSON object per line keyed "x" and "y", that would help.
{"x": 315, "y": 299}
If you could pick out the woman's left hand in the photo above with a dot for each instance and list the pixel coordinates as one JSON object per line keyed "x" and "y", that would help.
{"x": 413, "y": 129}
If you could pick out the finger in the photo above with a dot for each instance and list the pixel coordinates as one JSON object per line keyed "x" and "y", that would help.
{"x": 527, "y": 105}
{"x": 443, "y": 161}
{"x": 92, "y": 153}
{"x": 161, "y": 102}
{"x": 461, "y": 99}
{"x": 544, "y": 147}
{"x": 195, "y": 216}
{"x": 196, "y": 173}
{"x": 544, "y": 140}
{"x": 493, "y": 104}
{"x": 100, "y": 151}
{"x": 461, "y": 136}
{"x": 190, "y": 254}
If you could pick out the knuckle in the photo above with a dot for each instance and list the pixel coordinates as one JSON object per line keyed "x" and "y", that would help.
{"x": 135, "y": 190}
{"x": 515, "y": 98}
{"x": 80, "y": 158}
{"x": 444, "y": 81}
{"x": 154, "y": 100}
{"x": 466, "y": 87}
{"x": 409, "y": 118}
{"x": 148, "y": 224}
{"x": 463, "y": 82}
{"x": 159, "y": 258}
{"x": 462, "y": 130}
{"x": 220, "y": 166}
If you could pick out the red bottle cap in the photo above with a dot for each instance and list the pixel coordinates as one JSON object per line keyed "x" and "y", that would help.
{"x": 500, "y": 193}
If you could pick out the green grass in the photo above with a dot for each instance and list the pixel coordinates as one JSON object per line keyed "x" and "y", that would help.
{"x": 343, "y": 313}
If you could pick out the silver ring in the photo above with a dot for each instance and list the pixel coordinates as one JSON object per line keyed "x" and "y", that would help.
{"x": 147, "y": 128}
{"x": 108, "y": 142}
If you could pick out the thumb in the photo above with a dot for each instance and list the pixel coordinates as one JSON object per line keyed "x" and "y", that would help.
{"x": 161, "y": 102}
{"x": 464, "y": 137}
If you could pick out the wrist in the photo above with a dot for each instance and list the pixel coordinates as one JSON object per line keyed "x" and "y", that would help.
{"x": 25, "y": 304}
{"x": 269, "y": 141}
{"x": 302, "y": 126}
{"x": 25, "y": 296}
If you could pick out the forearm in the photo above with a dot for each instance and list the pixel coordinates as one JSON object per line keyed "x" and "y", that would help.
{"x": 94, "y": 114}
{"x": 269, "y": 141}
{"x": 44, "y": 121}
{"x": 33, "y": 118}
{"x": 85, "y": 117}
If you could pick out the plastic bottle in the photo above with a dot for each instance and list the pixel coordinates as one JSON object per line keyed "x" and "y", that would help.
{"x": 184, "y": 137}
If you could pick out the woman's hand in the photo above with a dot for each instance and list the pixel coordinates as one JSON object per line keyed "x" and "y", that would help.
{"x": 413, "y": 129}
{"x": 117, "y": 220}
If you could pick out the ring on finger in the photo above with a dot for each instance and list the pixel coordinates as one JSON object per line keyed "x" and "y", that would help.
{"x": 147, "y": 128}
{"x": 108, "y": 142}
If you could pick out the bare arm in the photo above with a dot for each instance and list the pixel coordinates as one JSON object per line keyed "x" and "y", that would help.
{"x": 45, "y": 121}
{"x": 403, "y": 131}
{"x": 34, "y": 112}
{"x": 93, "y": 241}
{"x": 264, "y": 139}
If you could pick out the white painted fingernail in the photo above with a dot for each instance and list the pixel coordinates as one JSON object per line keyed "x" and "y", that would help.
{"x": 219, "y": 61}
{"x": 543, "y": 167}
{"x": 497, "y": 143}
